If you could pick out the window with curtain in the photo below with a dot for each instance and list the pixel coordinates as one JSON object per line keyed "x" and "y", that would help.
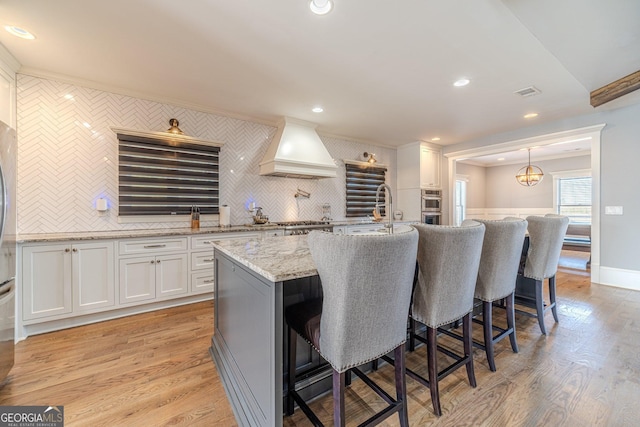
{"x": 166, "y": 177}
{"x": 362, "y": 183}
{"x": 574, "y": 198}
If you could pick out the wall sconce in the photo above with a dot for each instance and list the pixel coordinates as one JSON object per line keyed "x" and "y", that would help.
{"x": 370, "y": 157}
{"x": 174, "y": 127}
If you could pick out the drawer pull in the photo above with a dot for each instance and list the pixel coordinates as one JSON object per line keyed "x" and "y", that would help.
{"x": 208, "y": 281}
{"x": 208, "y": 260}
{"x": 154, "y": 246}
{"x": 208, "y": 242}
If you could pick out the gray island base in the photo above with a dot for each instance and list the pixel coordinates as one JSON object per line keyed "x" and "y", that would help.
{"x": 255, "y": 280}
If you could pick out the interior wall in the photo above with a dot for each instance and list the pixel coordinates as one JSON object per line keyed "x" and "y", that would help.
{"x": 505, "y": 192}
{"x": 476, "y": 184}
{"x": 619, "y": 151}
{"x": 68, "y": 158}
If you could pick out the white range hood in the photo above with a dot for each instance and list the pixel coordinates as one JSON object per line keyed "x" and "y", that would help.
{"x": 297, "y": 152}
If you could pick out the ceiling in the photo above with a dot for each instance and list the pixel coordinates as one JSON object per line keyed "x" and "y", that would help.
{"x": 382, "y": 70}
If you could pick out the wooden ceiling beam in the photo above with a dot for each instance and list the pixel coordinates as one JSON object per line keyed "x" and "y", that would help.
{"x": 615, "y": 89}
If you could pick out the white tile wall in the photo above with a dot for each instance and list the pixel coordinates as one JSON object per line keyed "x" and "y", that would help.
{"x": 68, "y": 158}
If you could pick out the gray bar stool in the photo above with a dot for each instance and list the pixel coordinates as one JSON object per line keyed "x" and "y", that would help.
{"x": 546, "y": 235}
{"x": 448, "y": 260}
{"x": 366, "y": 285}
{"x": 497, "y": 278}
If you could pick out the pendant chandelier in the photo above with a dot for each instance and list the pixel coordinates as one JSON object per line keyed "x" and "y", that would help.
{"x": 529, "y": 175}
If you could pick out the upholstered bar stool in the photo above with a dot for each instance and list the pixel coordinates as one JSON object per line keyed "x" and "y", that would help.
{"x": 497, "y": 276}
{"x": 448, "y": 260}
{"x": 546, "y": 235}
{"x": 366, "y": 284}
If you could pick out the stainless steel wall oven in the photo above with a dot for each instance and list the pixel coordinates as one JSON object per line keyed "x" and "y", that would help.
{"x": 431, "y": 206}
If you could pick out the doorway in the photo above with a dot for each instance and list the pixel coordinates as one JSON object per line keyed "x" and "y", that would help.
{"x": 592, "y": 133}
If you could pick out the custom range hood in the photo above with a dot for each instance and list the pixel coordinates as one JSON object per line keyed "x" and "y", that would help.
{"x": 297, "y": 152}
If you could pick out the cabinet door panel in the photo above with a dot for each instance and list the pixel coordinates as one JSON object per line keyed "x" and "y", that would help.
{"x": 93, "y": 276}
{"x": 171, "y": 275}
{"x": 46, "y": 281}
{"x": 137, "y": 279}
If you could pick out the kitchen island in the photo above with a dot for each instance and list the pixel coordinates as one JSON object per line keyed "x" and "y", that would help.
{"x": 255, "y": 280}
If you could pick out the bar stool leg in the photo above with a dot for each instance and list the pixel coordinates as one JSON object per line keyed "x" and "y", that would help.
{"x": 540, "y": 306}
{"x": 468, "y": 348}
{"x": 339, "y": 417}
{"x": 293, "y": 339}
{"x": 511, "y": 321}
{"x": 487, "y": 320}
{"x": 432, "y": 363}
{"x": 401, "y": 384}
{"x": 552, "y": 297}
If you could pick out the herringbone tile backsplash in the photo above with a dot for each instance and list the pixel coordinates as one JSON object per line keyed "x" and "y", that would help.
{"x": 68, "y": 158}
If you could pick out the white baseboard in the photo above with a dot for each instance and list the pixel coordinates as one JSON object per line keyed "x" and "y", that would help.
{"x": 628, "y": 279}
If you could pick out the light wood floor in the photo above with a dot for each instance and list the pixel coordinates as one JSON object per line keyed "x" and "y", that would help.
{"x": 154, "y": 370}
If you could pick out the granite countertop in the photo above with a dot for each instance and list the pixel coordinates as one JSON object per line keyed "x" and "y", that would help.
{"x": 122, "y": 234}
{"x": 164, "y": 232}
{"x": 277, "y": 260}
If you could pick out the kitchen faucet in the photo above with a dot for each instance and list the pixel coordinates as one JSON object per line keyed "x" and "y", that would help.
{"x": 380, "y": 187}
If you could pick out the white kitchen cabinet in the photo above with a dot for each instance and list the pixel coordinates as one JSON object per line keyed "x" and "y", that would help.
{"x": 66, "y": 278}
{"x": 153, "y": 277}
{"x": 419, "y": 166}
{"x": 430, "y": 161}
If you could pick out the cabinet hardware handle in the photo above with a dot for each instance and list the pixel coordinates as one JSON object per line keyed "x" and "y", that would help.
{"x": 208, "y": 260}
{"x": 208, "y": 242}
{"x": 208, "y": 281}
{"x": 67, "y": 249}
{"x": 158, "y": 262}
{"x": 75, "y": 249}
{"x": 154, "y": 246}
{"x": 153, "y": 262}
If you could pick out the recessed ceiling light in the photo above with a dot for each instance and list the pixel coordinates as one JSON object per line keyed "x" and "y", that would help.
{"x": 317, "y": 109}
{"x": 435, "y": 138}
{"x": 320, "y": 7}
{"x": 461, "y": 82}
{"x": 19, "y": 32}
{"x": 530, "y": 115}
{"x": 500, "y": 159}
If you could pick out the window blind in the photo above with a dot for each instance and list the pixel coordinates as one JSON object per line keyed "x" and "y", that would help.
{"x": 362, "y": 183}
{"x": 165, "y": 177}
{"x": 574, "y": 199}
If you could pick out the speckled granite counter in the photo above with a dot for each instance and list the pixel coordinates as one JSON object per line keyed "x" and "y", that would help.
{"x": 123, "y": 234}
{"x": 277, "y": 260}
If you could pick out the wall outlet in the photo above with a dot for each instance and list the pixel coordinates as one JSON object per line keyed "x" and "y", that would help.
{"x": 613, "y": 210}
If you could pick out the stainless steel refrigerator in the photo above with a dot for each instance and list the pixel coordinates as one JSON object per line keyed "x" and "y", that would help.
{"x": 7, "y": 247}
